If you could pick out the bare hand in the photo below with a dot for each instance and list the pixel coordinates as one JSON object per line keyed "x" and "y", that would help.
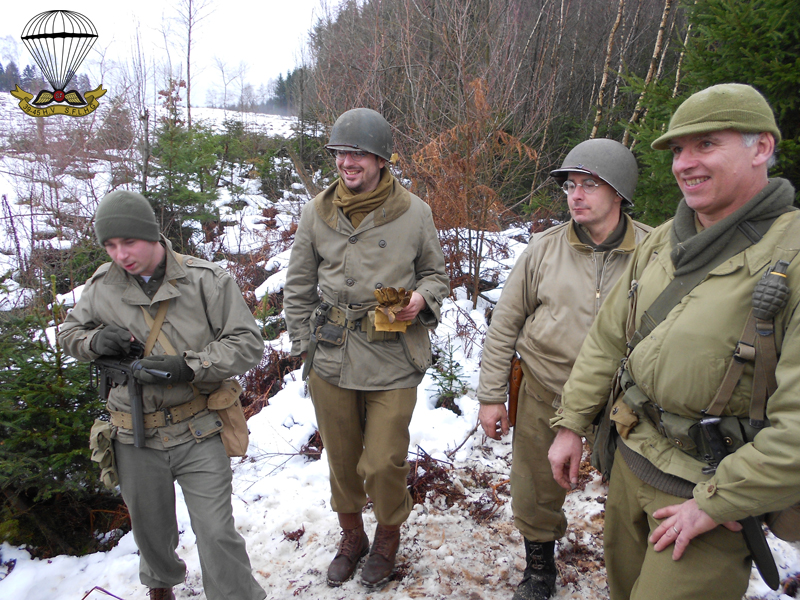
{"x": 565, "y": 458}
{"x": 682, "y": 523}
{"x": 415, "y": 305}
{"x": 494, "y": 420}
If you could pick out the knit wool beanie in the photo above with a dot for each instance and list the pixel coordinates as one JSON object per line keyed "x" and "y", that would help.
{"x": 123, "y": 214}
{"x": 725, "y": 106}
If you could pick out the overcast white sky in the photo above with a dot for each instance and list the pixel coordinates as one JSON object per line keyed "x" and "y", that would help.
{"x": 267, "y": 35}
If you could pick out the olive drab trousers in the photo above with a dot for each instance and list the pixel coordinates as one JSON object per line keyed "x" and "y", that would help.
{"x": 536, "y": 498}
{"x": 715, "y": 566}
{"x": 365, "y": 434}
{"x": 203, "y": 471}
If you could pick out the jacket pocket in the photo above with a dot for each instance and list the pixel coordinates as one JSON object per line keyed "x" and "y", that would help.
{"x": 417, "y": 346}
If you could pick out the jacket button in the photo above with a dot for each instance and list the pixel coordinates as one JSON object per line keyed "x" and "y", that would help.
{"x": 711, "y": 489}
{"x": 350, "y": 282}
{"x": 353, "y": 239}
{"x": 206, "y": 363}
{"x": 378, "y": 285}
{"x": 615, "y": 410}
{"x": 382, "y": 243}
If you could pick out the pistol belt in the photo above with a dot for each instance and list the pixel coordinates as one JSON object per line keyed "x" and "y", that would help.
{"x": 684, "y": 433}
{"x": 163, "y": 417}
{"x": 339, "y": 318}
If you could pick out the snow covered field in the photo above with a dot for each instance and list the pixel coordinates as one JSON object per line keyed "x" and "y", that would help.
{"x": 459, "y": 544}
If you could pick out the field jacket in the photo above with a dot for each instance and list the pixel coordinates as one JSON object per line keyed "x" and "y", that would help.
{"x": 548, "y": 303}
{"x": 396, "y": 245}
{"x": 207, "y": 322}
{"x": 680, "y": 365}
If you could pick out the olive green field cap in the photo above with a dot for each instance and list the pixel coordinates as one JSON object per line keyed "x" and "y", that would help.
{"x": 124, "y": 214}
{"x": 605, "y": 159}
{"x": 725, "y": 106}
{"x": 362, "y": 129}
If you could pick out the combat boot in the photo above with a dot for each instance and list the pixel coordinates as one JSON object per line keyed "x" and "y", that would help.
{"x": 380, "y": 562}
{"x": 354, "y": 545}
{"x": 161, "y": 594}
{"x": 539, "y": 579}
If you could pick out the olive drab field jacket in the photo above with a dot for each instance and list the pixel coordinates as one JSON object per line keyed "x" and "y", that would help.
{"x": 207, "y": 321}
{"x": 548, "y": 303}
{"x": 396, "y": 245}
{"x": 680, "y": 365}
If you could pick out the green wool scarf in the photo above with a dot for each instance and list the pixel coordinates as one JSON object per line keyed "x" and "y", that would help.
{"x": 691, "y": 250}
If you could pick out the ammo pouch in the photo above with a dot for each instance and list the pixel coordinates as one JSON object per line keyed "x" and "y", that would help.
{"x": 205, "y": 426}
{"x": 225, "y": 402}
{"x": 103, "y": 452}
{"x": 373, "y": 335}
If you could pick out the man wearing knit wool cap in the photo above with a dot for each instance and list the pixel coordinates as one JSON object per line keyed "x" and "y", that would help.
{"x": 207, "y": 336}
{"x": 704, "y": 409}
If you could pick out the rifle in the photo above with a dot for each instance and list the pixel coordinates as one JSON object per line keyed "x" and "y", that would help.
{"x": 112, "y": 371}
{"x": 751, "y": 527}
{"x": 514, "y": 383}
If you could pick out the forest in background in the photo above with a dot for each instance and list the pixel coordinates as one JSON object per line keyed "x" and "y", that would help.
{"x": 484, "y": 98}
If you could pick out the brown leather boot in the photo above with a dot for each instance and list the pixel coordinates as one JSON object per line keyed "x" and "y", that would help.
{"x": 354, "y": 545}
{"x": 380, "y": 562}
{"x": 161, "y": 594}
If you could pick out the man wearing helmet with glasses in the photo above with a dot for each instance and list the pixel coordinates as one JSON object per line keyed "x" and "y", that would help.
{"x": 364, "y": 233}
{"x": 547, "y": 305}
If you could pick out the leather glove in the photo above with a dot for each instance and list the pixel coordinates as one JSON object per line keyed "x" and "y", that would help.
{"x": 111, "y": 340}
{"x": 176, "y": 366}
{"x": 392, "y": 301}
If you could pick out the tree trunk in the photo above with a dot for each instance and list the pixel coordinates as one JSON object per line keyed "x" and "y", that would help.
{"x": 651, "y": 71}
{"x": 606, "y": 67}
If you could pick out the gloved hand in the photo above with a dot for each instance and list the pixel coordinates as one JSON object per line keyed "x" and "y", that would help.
{"x": 111, "y": 340}
{"x": 174, "y": 365}
{"x": 392, "y": 301}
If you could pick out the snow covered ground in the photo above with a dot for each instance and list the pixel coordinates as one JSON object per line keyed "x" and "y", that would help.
{"x": 459, "y": 543}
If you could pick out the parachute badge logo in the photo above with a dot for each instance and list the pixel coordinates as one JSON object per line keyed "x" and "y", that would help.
{"x": 59, "y": 40}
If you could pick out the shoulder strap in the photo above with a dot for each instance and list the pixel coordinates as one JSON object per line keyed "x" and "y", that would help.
{"x": 757, "y": 345}
{"x": 746, "y": 235}
{"x": 156, "y": 324}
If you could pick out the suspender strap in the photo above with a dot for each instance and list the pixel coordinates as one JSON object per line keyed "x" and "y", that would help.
{"x": 683, "y": 284}
{"x": 156, "y": 324}
{"x": 155, "y": 327}
{"x": 745, "y": 352}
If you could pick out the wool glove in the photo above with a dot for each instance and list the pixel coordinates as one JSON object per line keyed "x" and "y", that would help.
{"x": 112, "y": 340}
{"x": 176, "y": 366}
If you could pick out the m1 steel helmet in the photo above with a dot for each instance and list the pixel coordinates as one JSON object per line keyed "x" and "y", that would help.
{"x": 607, "y": 159}
{"x": 362, "y": 129}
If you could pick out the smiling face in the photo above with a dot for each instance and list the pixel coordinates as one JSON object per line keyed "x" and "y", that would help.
{"x": 717, "y": 173}
{"x": 360, "y": 175}
{"x": 600, "y": 211}
{"x": 137, "y": 257}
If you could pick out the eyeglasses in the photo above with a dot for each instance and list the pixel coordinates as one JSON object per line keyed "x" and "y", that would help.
{"x": 589, "y": 186}
{"x": 354, "y": 154}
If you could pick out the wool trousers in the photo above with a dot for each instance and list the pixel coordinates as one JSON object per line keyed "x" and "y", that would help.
{"x": 715, "y": 566}
{"x": 536, "y": 498}
{"x": 203, "y": 471}
{"x": 365, "y": 434}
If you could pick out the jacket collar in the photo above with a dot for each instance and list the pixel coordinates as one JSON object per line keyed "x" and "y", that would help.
{"x": 398, "y": 202}
{"x": 627, "y": 245}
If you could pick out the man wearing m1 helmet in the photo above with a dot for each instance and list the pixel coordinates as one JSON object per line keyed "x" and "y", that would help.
{"x": 360, "y": 239}
{"x": 544, "y": 312}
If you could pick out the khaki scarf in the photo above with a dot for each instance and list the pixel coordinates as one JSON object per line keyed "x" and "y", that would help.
{"x": 358, "y": 206}
{"x": 691, "y": 250}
